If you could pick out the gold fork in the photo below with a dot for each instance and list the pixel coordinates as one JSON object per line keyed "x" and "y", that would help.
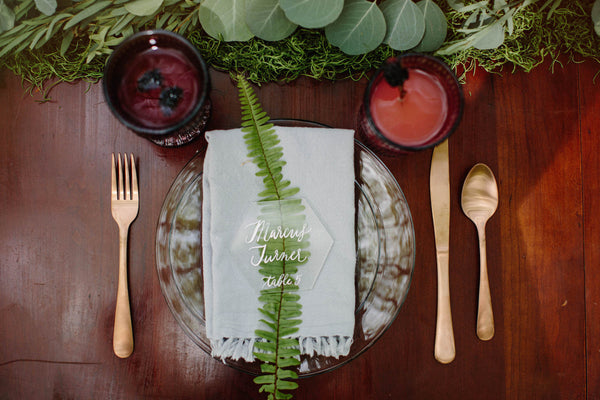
{"x": 124, "y": 205}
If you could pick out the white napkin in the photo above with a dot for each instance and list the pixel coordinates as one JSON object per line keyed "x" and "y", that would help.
{"x": 320, "y": 163}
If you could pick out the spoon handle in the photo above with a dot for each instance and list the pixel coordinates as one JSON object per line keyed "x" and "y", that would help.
{"x": 444, "y": 349}
{"x": 485, "y": 316}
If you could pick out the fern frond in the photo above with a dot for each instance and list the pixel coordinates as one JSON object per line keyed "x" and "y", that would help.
{"x": 281, "y": 308}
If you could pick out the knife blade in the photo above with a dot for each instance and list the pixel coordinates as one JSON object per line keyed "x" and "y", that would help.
{"x": 439, "y": 190}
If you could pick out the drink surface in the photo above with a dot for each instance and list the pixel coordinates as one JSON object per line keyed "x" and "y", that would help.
{"x": 415, "y": 119}
{"x": 159, "y": 88}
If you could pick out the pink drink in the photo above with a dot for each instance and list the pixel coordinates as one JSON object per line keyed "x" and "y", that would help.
{"x": 413, "y": 102}
{"x": 159, "y": 87}
{"x": 417, "y": 117}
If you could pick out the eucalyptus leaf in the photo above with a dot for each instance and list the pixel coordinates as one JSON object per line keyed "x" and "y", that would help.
{"x": 405, "y": 24}
{"x": 7, "y": 17}
{"x": 266, "y": 20}
{"x": 46, "y": 7}
{"x": 21, "y": 8}
{"x": 454, "y": 47}
{"x": 491, "y": 37}
{"x": 359, "y": 29}
{"x": 6, "y": 39}
{"x": 92, "y": 53}
{"x": 312, "y": 13}
{"x": 473, "y": 21}
{"x": 500, "y": 5}
{"x": 23, "y": 45}
{"x": 224, "y": 19}
{"x": 510, "y": 23}
{"x": 529, "y": 2}
{"x": 461, "y": 7}
{"x": 18, "y": 40}
{"x": 456, "y": 5}
{"x": 82, "y": 5}
{"x": 181, "y": 28}
{"x": 66, "y": 42}
{"x": 553, "y": 8}
{"x": 36, "y": 39}
{"x": 596, "y": 16}
{"x": 510, "y": 26}
{"x": 120, "y": 11}
{"x": 122, "y": 23}
{"x": 161, "y": 21}
{"x": 128, "y": 31}
{"x": 51, "y": 28}
{"x": 87, "y": 12}
{"x": 436, "y": 26}
{"x": 142, "y": 8}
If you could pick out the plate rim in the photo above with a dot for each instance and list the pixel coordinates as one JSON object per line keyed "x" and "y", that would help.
{"x": 162, "y": 219}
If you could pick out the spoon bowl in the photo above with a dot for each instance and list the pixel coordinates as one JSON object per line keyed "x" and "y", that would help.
{"x": 479, "y": 201}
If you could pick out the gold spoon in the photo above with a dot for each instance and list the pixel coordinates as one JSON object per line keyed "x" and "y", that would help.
{"x": 479, "y": 202}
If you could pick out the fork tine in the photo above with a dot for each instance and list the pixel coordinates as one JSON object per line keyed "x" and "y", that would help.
{"x": 113, "y": 180}
{"x": 120, "y": 179}
{"x": 126, "y": 172}
{"x": 134, "y": 182}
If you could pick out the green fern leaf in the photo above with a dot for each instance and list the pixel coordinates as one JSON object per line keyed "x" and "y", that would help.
{"x": 269, "y": 358}
{"x": 264, "y": 379}
{"x": 288, "y": 362}
{"x": 281, "y": 309}
{"x": 267, "y": 368}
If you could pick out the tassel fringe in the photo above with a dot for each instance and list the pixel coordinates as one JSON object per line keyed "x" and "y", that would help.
{"x": 239, "y": 348}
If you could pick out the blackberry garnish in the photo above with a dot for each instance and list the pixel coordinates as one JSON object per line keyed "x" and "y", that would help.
{"x": 170, "y": 98}
{"x": 395, "y": 75}
{"x": 150, "y": 80}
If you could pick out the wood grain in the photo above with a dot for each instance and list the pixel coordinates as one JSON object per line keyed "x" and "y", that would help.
{"x": 538, "y": 132}
{"x": 589, "y": 119}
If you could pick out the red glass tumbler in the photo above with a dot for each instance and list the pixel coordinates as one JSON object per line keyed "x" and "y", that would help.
{"x": 157, "y": 84}
{"x": 420, "y": 113}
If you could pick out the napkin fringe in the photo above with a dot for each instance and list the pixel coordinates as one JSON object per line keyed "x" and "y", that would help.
{"x": 243, "y": 348}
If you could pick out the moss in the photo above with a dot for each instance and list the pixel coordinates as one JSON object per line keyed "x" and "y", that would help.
{"x": 566, "y": 34}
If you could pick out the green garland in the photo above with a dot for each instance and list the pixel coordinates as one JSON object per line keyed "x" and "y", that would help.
{"x": 567, "y": 33}
{"x": 304, "y": 53}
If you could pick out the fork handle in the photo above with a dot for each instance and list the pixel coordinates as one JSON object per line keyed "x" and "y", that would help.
{"x": 123, "y": 332}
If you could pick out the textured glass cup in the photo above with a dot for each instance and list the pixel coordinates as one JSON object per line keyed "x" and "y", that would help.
{"x": 384, "y": 139}
{"x": 157, "y": 84}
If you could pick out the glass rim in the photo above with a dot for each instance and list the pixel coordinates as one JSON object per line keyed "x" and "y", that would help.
{"x": 378, "y": 76}
{"x": 199, "y": 62}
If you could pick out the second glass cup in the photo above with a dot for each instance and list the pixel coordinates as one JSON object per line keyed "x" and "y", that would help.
{"x": 412, "y": 103}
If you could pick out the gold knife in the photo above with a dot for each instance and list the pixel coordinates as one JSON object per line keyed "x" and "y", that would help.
{"x": 439, "y": 190}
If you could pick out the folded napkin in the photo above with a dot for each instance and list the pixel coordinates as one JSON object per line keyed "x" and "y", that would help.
{"x": 320, "y": 163}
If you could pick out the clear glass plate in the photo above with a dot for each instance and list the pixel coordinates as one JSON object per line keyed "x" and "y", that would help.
{"x": 385, "y": 245}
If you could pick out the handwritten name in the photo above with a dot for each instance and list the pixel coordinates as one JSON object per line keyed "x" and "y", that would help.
{"x": 262, "y": 231}
{"x": 276, "y": 256}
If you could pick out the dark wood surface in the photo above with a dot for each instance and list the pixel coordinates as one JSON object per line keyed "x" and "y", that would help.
{"x": 538, "y": 131}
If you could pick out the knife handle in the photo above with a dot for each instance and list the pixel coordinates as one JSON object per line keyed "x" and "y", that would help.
{"x": 444, "y": 335}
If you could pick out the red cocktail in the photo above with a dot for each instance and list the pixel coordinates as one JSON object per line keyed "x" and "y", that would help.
{"x": 157, "y": 84}
{"x": 412, "y": 103}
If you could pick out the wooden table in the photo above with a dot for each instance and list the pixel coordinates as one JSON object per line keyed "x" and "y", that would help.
{"x": 538, "y": 131}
